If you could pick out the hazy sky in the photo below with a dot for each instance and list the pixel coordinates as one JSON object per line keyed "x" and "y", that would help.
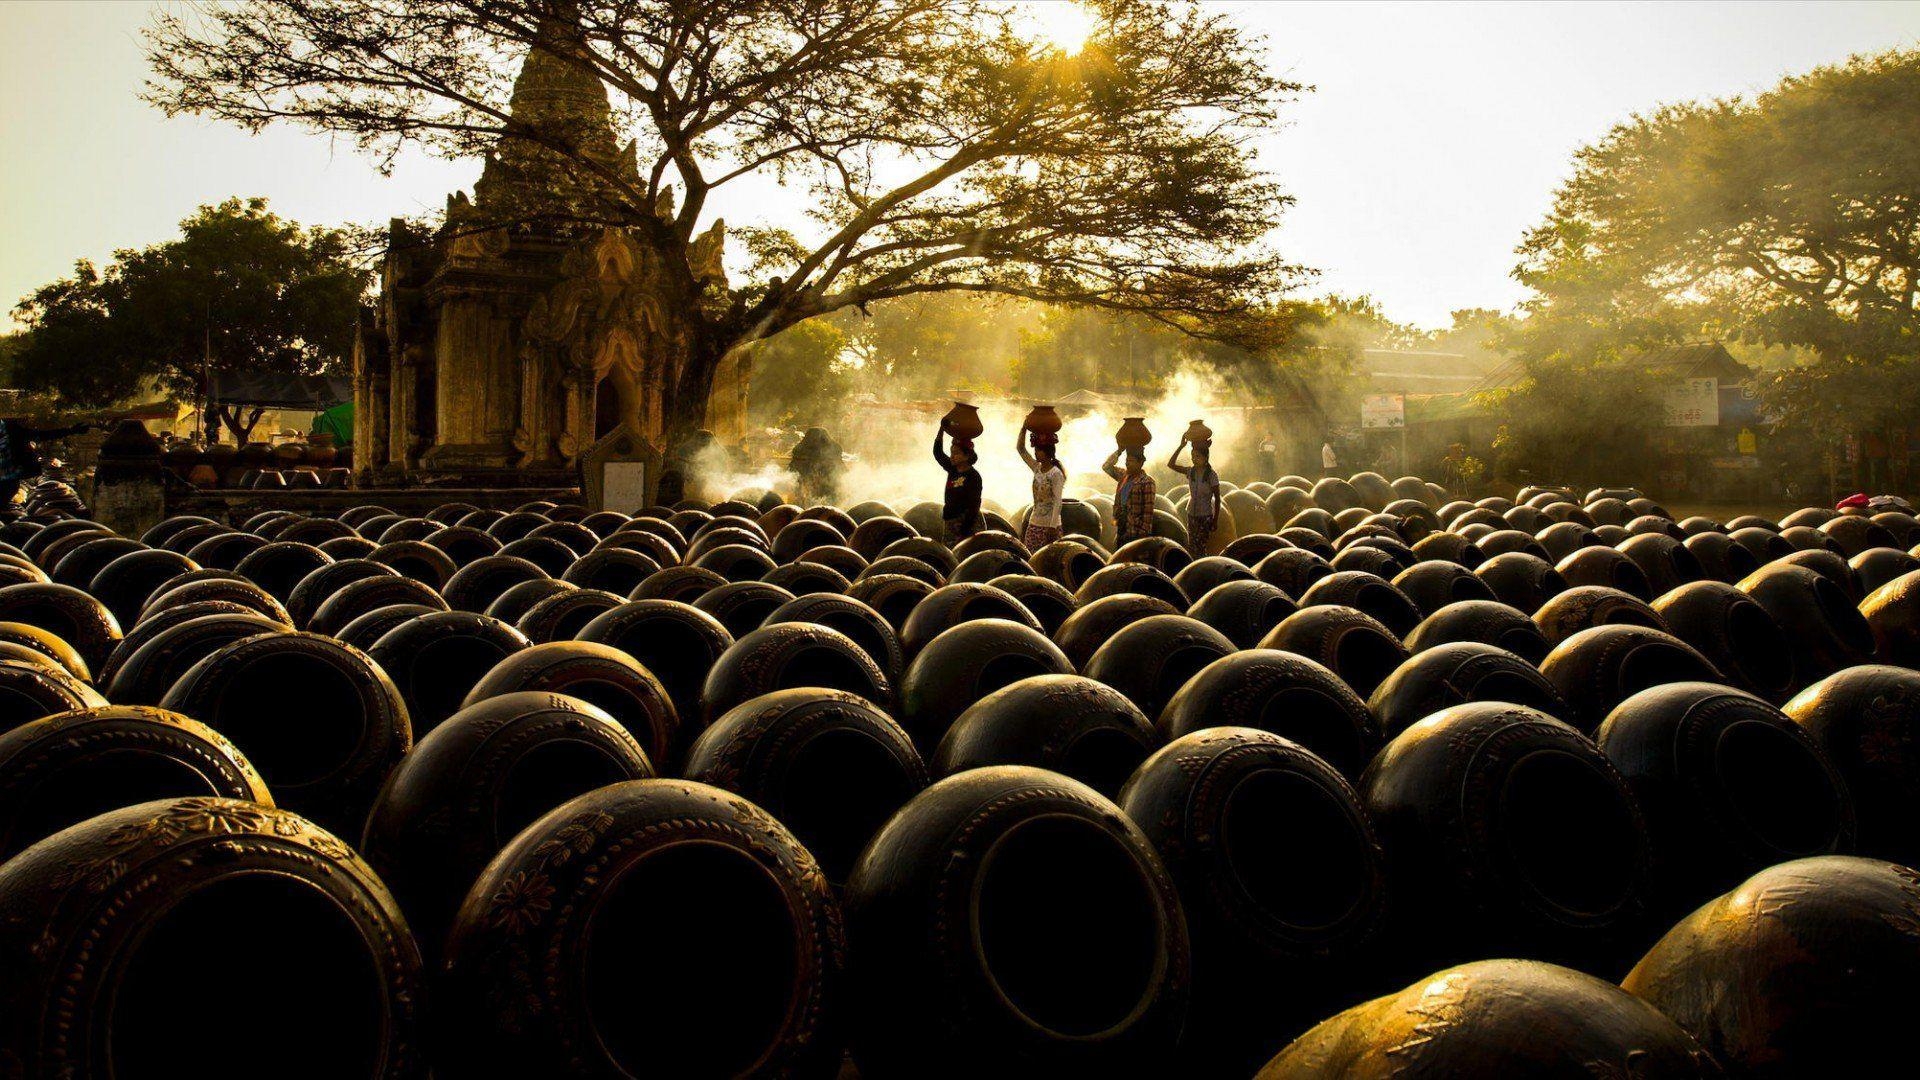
{"x": 1435, "y": 135}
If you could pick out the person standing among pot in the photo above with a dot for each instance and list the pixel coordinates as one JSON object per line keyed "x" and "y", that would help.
{"x": 1133, "y": 494}
{"x": 960, "y": 507}
{"x": 1049, "y": 488}
{"x": 1329, "y": 461}
{"x": 817, "y": 463}
{"x": 1203, "y": 493}
{"x": 19, "y": 459}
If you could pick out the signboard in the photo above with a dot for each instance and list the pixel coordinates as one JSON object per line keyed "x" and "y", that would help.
{"x": 1692, "y": 403}
{"x": 623, "y": 485}
{"x": 1383, "y": 411}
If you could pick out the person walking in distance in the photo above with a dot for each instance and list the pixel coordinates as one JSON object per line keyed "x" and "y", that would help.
{"x": 1329, "y": 461}
{"x": 1132, "y": 496}
{"x": 1049, "y": 487}
{"x": 1203, "y": 493}
{"x": 961, "y": 506}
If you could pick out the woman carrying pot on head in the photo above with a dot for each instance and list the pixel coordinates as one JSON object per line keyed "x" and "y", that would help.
{"x": 1203, "y": 492}
{"x": 960, "y": 506}
{"x": 1049, "y": 487}
{"x": 1133, "y": 494}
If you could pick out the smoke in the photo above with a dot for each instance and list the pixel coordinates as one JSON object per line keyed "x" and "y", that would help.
{"x": 889, "y": 442}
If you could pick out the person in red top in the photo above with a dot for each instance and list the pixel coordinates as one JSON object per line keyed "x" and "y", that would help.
{"x": 1133, "y": 496}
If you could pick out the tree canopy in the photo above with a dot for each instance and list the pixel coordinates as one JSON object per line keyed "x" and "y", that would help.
{"x": 939, "y": 145}
{"x": 241, "y": 290}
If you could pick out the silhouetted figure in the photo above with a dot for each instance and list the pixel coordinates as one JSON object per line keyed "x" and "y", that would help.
{"x": 961, "y": 506}
{"x": 20, "y": 459}
{"x": 817, "y": 463}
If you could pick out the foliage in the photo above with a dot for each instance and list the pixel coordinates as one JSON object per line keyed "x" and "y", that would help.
{"x": 795, "y": 370}
{"x": 241, "y": 290}
{"x": 1573, "y": 421}
{"x": 944, "y": 150}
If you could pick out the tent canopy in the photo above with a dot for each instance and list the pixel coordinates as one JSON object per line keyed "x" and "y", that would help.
{"x": 338, "y": 422}
{"x": 273, "y": 390}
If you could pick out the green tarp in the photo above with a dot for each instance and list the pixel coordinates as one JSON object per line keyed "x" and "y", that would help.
{"x": 338, "y": 422}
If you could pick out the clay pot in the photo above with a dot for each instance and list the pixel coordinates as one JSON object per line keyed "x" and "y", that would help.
{"x": 1281, "y": 693}
{"x": 1606, "y": 567}
{"x": 1521, "y": 580}
{"x": 1667, "y": 563}
{"x": 1347, "y": 641}
{"x": 1879, "y": 566}
{"x": 982, "y": 567}
{"x": 475, "y": 586}
{"x": 201, "y": 586}
{"x": 1133, "y": 434}
{"x": 1857, "y": 534}
{"x": 1831, "y": 566}
{"x": 1312, "y": 540}
{"x": 614, "y": 570}
{"x": 1825, "y": 630}
{"x": 965, "y": 663}
{"x": 741, "y": 606}
{"x": 1149, "y": 660}
{"x": 1243, "y": 611}
{"x": 1721, "y": 558}
{"x": 1049, "y": 602}
{"x": 754, "y": 925}
{"x": 226, "y": 550}
{"x": 1515, "y": 833}
{"x": 682, "y": 583}
{"x": 1074, "y": 726}
{"x": 37, "y": 546}
{"x": 67, "y": 613}
{"x": 315, "y": 531}
{"x": 1093, "y": 622}
{"x": 1365, "y": 592}
{"x": 658, "y": 548}
{"x": 1727, "y": 784}
{"x": 1892, "y": 614}
{"x": 562, "y": 616}
{"x": 321, "y": 722}
{"x": 1432, "y": 584}
{"x": 1806, "y": 969}
{"x": 1131, "y": 577}
{"x": 960, "y": 962}
{"x": 1487, "y": 621}
{"x": 1198, "y": 432}
{"x": 75, "y": 565}
{"x": 436, "y": 659}
{"x": 903, "y": 565}
{"x": 828, "y": 764}
{"x": 49, "y": 645}
{"x": 124, "y": 584}
{"x": 1585, "y": 606}
{"x": 30, "y": 690}
{"x": 71, "y": 766}
{"x": 1458, "y": 673}
{"x": 963, "y": 421}
{"x": 953, "y": 605}
{"x": 185, "y": 539}
{"x": 171, "y": 898}
{"x": 464, "y": 544}
{"x": 786, "y": 655}
{"x": 1864, "y": 718}
{"x": 597, "y": 674}
{"x": 358, "y": 598}
{"x": 1597, "y": 669}
{"x": 1501, "y": 1018}
{"x": 798, "y": 538}
{"x": 894, "y": 596}
{"x": 1043, "y": 420}
{"x": 872, "y": 508}
{"x": 1765, "y": 545}
{"x": 925, "y": 549}
{"x": 475, "y": 782}
{"x": 1733, "y": 632}
{"x": 675, "y": 641}
{"x": 280, "y": 565}
{"x": 856, "y": 620}
{"x": 157, "y": 654}
{"x": 1368, "y": 559}
{"x": 321, "y": 584}
{"x": 1200, "y": 576}
{"x": 735, "y": 562}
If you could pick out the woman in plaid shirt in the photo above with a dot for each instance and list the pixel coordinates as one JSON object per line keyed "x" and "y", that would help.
{"x": 1133, "y": 497}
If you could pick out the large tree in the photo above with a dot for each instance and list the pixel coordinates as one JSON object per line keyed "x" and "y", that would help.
{"x": 241, "y": 290}
{"x": 941, "y": 146}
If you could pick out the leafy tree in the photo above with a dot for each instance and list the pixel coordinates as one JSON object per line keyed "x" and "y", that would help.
{"x": 796, "y": 370}
{"x": 241, "y": 290}
{"x": 942, "y": 148}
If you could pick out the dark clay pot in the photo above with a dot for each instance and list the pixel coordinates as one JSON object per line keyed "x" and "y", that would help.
{"x": 1449, "y": 547}
{"x": 463, "y": 544}
{"x": 1735, "y": 633}
{"x": 155, "y": 907}
{"x": 599, "y": 675}
{"x": 1599, "y": 668}
{"x": 321, "y": 722}
{"x": 279, "y": 566}
{"x": 1119, "y": 577}
{"x": 419, "y": 561}
{"x": 1149, "y": 660}
{"x": 47, "y": 644}
{"x": 741, "y": 606}
{"x": 1292, "y": 570}
{"x": 875, "y": 534}
{"x": 1586, "y": 606}
{"x": 802, "y": 578}
{"x": 71, "y": 766}
{"x": 125, "y": 583}
{"x": 1281, "y": 693}
{"x": 1892, "y": 613}
{"x": 519, "y": 599}
{"x": 1456, "y": 674}
{"x": 64, "y": 612}
{"x": 232, "y": 590}
{"x": 76, "y": 565}
{"x": 735, "y": 562}
{"x": 563, "y": 616}
{"x": 1348, "y": 642}
{"x": 1563, "y": 538}
{"x": 1806, "y": 969}
{"x": 1833, "y": 567}
{"x": 1721, "y": 558}
{"x": 1200, "y": 576}
{"x": 1093, "y": 623}
{"x": 1826, "y": 632}
{"x": 1506, "y": 541}
{"x": 827, "y": 764}
{"x": 1666, "y": 562}
{"x": 435, "y": 660}
{"x": 315, "y": 589}
{"x": 1486, "y": 621}
{"x": 963, "y": 665}
{"x": 1366, "y": 592}
{"x": 894, "y": 596}
{"x": 158, "y": 653}
{"x": 677, "y": 642}
{"x": 683, "y": 583}
{"x": 615, "y": 570}
{"x": 783, "y": 656}
{"x": 1068, "y": 562}
{"x": 1370, "y": 559}
{"x": 1431, "y": 585}
{"x": 1727, "y": 785}
{"x": 581, "y": 898}
{"x": 953, "y": 605}
{"x": 1880, "y": 566}
{"x": 961, "y": 966}
{"x": 926, "y": 549}
{"x": 475, "y": 586}
{"x": 1516, "y": 834}
{"x": 1522, "y": 581}
{"x": 852, "y": 618}
{"x": 1857, "y": 534}
{"x": 1049, "y": 602}
{"x": 1236, "y": 815}
{"x": 1605, "y": 567}
{"x": 474, "y": 782}
{"x": 1498, "y": 1018}
{"x": 226, "y": 550}
{"x": 1867, "y": 720}
{"x": 1068, "y": 724}
{"x": 1244, "y": 611}
{"x": 370, "y": 594}
{"x": 1765, "y": 545}
{"x": 801, "y": 536}
{"x": 30, "y": 689}
{"x": 904, "y": 565}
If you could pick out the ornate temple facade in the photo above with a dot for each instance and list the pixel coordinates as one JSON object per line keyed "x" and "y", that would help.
{"x": 516, "y": 336}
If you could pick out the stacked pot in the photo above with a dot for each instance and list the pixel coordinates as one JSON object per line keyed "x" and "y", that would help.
{"x": 759, "y": 789}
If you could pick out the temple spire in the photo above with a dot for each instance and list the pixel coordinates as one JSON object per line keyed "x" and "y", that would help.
{"x": 555, "y": 100}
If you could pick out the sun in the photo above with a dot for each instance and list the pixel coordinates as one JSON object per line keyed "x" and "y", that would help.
{"x": 1062, "y": 24}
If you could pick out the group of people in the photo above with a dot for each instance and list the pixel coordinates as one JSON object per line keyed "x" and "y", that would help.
{"x": 1133, "y": 496}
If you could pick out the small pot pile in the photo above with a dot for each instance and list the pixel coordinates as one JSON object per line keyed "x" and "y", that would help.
{"x": 1386, "y": 784}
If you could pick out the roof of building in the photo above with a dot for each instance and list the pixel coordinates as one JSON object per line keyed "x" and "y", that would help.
{"x": 1686, "y": 360}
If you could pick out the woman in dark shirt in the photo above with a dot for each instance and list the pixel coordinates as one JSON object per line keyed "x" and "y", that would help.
{"x": 961, "y": 506}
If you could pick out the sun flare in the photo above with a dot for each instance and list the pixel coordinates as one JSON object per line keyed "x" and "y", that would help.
{"x": 1063, "y": 24}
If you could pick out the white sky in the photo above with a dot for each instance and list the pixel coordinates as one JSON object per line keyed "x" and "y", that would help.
{"x": 1434, "y": 138}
